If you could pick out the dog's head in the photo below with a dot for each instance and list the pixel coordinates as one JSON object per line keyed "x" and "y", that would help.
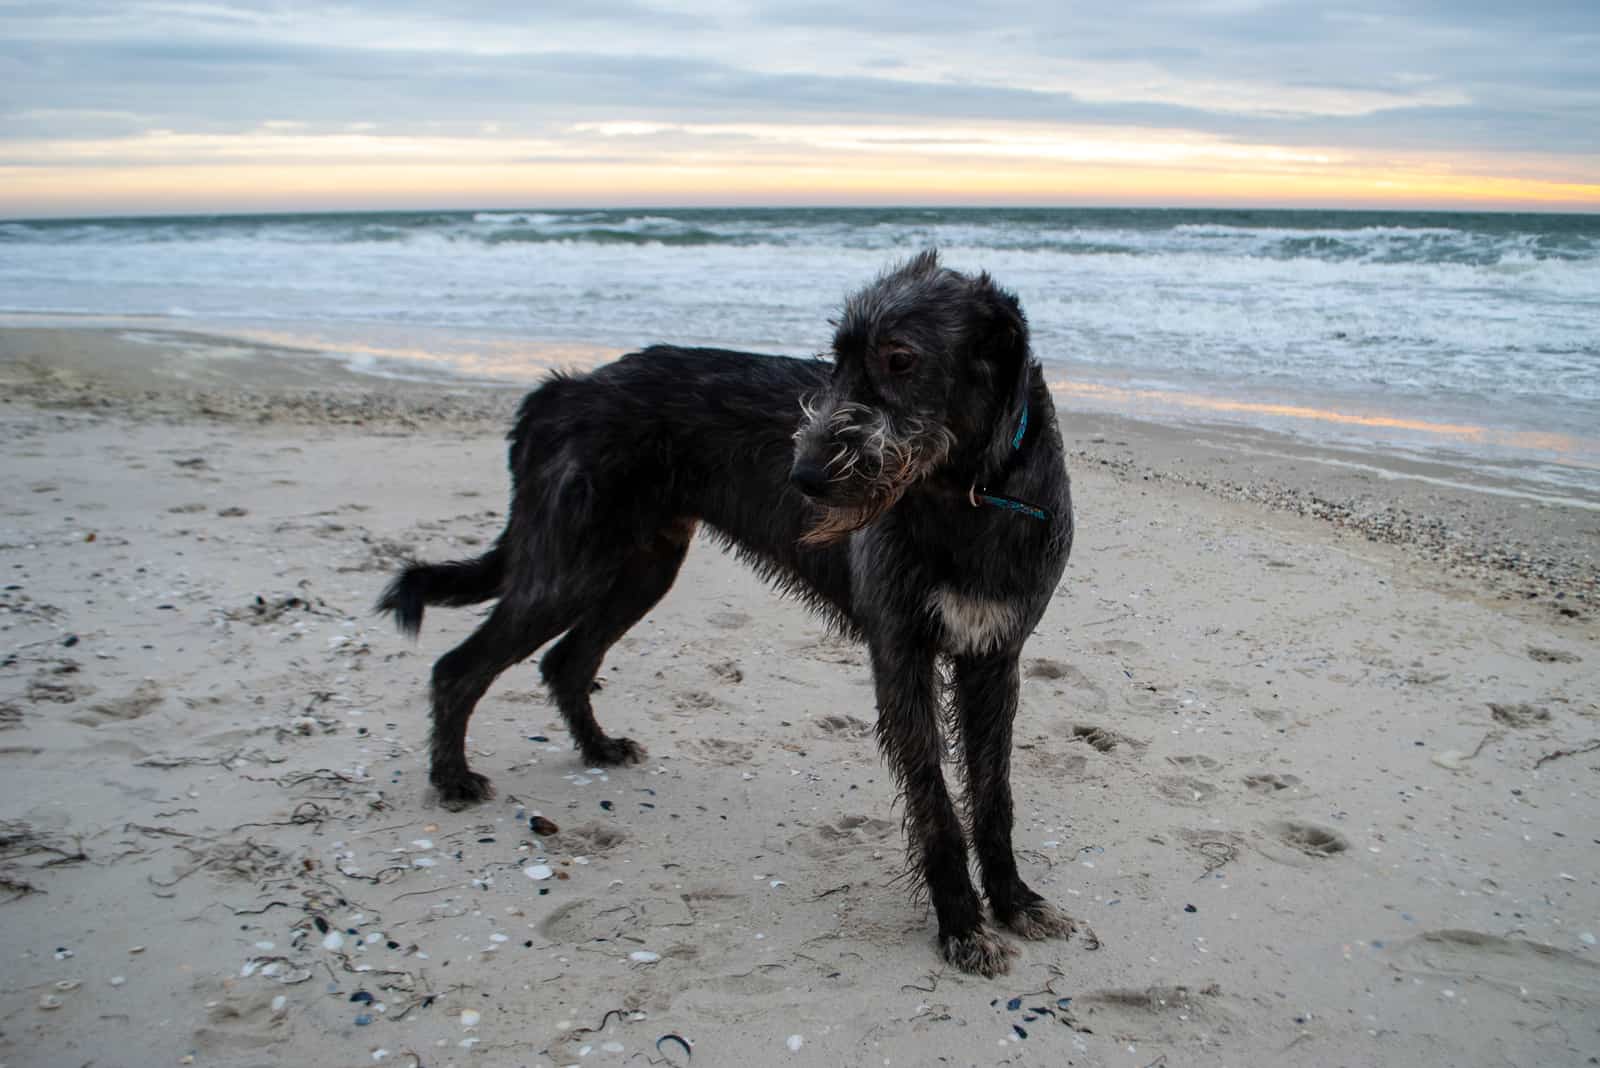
{"x": 925, "y": 360}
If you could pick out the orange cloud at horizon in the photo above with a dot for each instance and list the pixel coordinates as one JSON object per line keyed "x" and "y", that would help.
{"x": 286, "y": 171}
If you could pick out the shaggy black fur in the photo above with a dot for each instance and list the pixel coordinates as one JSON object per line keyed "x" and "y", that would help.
{"x": 859, "y": 486}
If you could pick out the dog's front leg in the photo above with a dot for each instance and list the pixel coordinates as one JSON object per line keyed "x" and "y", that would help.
{"x": 911, "y": 740}
{"x": 986, "y": 706}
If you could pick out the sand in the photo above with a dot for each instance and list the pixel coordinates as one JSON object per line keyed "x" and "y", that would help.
{"x": 1312, "y": 749}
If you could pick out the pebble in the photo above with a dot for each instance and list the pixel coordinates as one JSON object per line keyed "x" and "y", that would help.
{"x": 644, "y": 956}
{"x": 1587, "y": 938}
{"x": 538, "y": 871}
{"x": 49, "y": 1001}
{"x": 794, "y": 1043}
{"x": 333, "y": 940}
{"x": 470, "y": 1017}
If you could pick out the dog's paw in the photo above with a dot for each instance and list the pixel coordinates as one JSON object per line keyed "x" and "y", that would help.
{"x": 1040, "y": 919}
{"x": 614, "y": 751}
{"x": 980, "y": 952}
{"x": 461, "y": 789}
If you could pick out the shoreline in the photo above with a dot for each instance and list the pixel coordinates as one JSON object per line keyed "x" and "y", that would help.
{"x": 1454, "y": 436}
{"x": 1481, "y": 522}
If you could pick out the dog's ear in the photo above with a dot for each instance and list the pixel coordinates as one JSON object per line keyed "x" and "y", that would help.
{"x": 923, "y": 263}
{"x": 1000, "y": 336}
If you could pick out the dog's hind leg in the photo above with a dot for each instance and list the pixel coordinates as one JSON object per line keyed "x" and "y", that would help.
{"x": 909, "y": 733}
{"x": 512, "y": 633}
{"x": 569, "y": 668}
{"x": 986, "y": 706}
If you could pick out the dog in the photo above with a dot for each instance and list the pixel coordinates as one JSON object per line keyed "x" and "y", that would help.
{"x": 913, "y": 491}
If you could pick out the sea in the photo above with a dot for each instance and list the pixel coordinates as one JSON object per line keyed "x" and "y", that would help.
{"x": 1461, "y": 335}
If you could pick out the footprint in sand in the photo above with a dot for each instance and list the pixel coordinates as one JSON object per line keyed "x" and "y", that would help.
{"x": 1103, "y": 739}
{"x": 1310, "y": 839}
{"x": 1270, "y": 782}
{"x": 587, "y": 840}
{"x": 687, "y": 700}
{"x": 240, "y": 1020}
{"x": 1049, "y": 758}
{"x": 1519, "y": 716}
{"x": 1157, "y": 1014}
{"x": 719, "y": 751}
{"x": 1125, "y": 649}
{"x": 1082, "y": 693}
{"x": 846, "y": 835}
{"x": 48, "y": 686}
{"x": 1185, "y": 789}
{"x": 1045, "y": 669}
{"x": 141, "y": 702}
{"x": 842, "y": 726}
{"x": 1195, "y": 762}
{"x": 1510, "y": 963}
{"x": 728, "y": 671}
{"x": 586, "y": 920}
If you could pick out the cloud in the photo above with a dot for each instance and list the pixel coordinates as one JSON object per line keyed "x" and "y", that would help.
{"x": 1246, "y": 79}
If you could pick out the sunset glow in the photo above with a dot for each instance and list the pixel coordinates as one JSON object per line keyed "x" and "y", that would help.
{"x": 284, "y": 171}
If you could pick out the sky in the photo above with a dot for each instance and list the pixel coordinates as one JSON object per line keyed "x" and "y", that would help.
{"x": 159, "y": 106}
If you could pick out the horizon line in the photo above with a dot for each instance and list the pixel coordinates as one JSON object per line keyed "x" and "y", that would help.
{"x": 136, "y": 216}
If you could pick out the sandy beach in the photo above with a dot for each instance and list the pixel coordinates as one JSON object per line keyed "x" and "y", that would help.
{"x": 1310, "y": 743}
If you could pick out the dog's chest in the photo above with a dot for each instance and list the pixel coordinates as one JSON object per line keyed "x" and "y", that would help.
{"x": 973, "y": 624}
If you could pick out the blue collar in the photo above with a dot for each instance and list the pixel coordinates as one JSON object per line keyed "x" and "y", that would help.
{"x": 981, "y": 495}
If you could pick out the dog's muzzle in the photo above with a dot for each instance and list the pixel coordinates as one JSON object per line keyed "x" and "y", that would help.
{"x": 809, "y": 477}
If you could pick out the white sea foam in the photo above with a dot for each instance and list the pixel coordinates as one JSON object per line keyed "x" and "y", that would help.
{"x": 1488, "y": 316}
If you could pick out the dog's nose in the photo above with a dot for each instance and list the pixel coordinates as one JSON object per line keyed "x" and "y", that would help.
{"x": 809, "y": 477}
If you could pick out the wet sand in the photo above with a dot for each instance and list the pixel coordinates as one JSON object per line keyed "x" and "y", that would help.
{"x": 1311, "y": 748}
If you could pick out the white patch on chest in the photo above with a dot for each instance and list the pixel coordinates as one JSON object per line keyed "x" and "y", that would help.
{"x": 973, "y": 625}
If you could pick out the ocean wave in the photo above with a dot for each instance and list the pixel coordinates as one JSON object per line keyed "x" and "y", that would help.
{"x": 1491, "y": 241}
{"x": 1229, "y": 230}
{"x": 1429, "y": 308}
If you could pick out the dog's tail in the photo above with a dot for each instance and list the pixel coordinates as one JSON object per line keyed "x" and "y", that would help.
{"x": 454, "y": 583}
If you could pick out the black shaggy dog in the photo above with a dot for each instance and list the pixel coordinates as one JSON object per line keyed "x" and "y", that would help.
{"x": 913, "y": 492}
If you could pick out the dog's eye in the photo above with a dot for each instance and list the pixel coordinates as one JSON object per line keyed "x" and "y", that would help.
{"x": 900, "y": 360}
